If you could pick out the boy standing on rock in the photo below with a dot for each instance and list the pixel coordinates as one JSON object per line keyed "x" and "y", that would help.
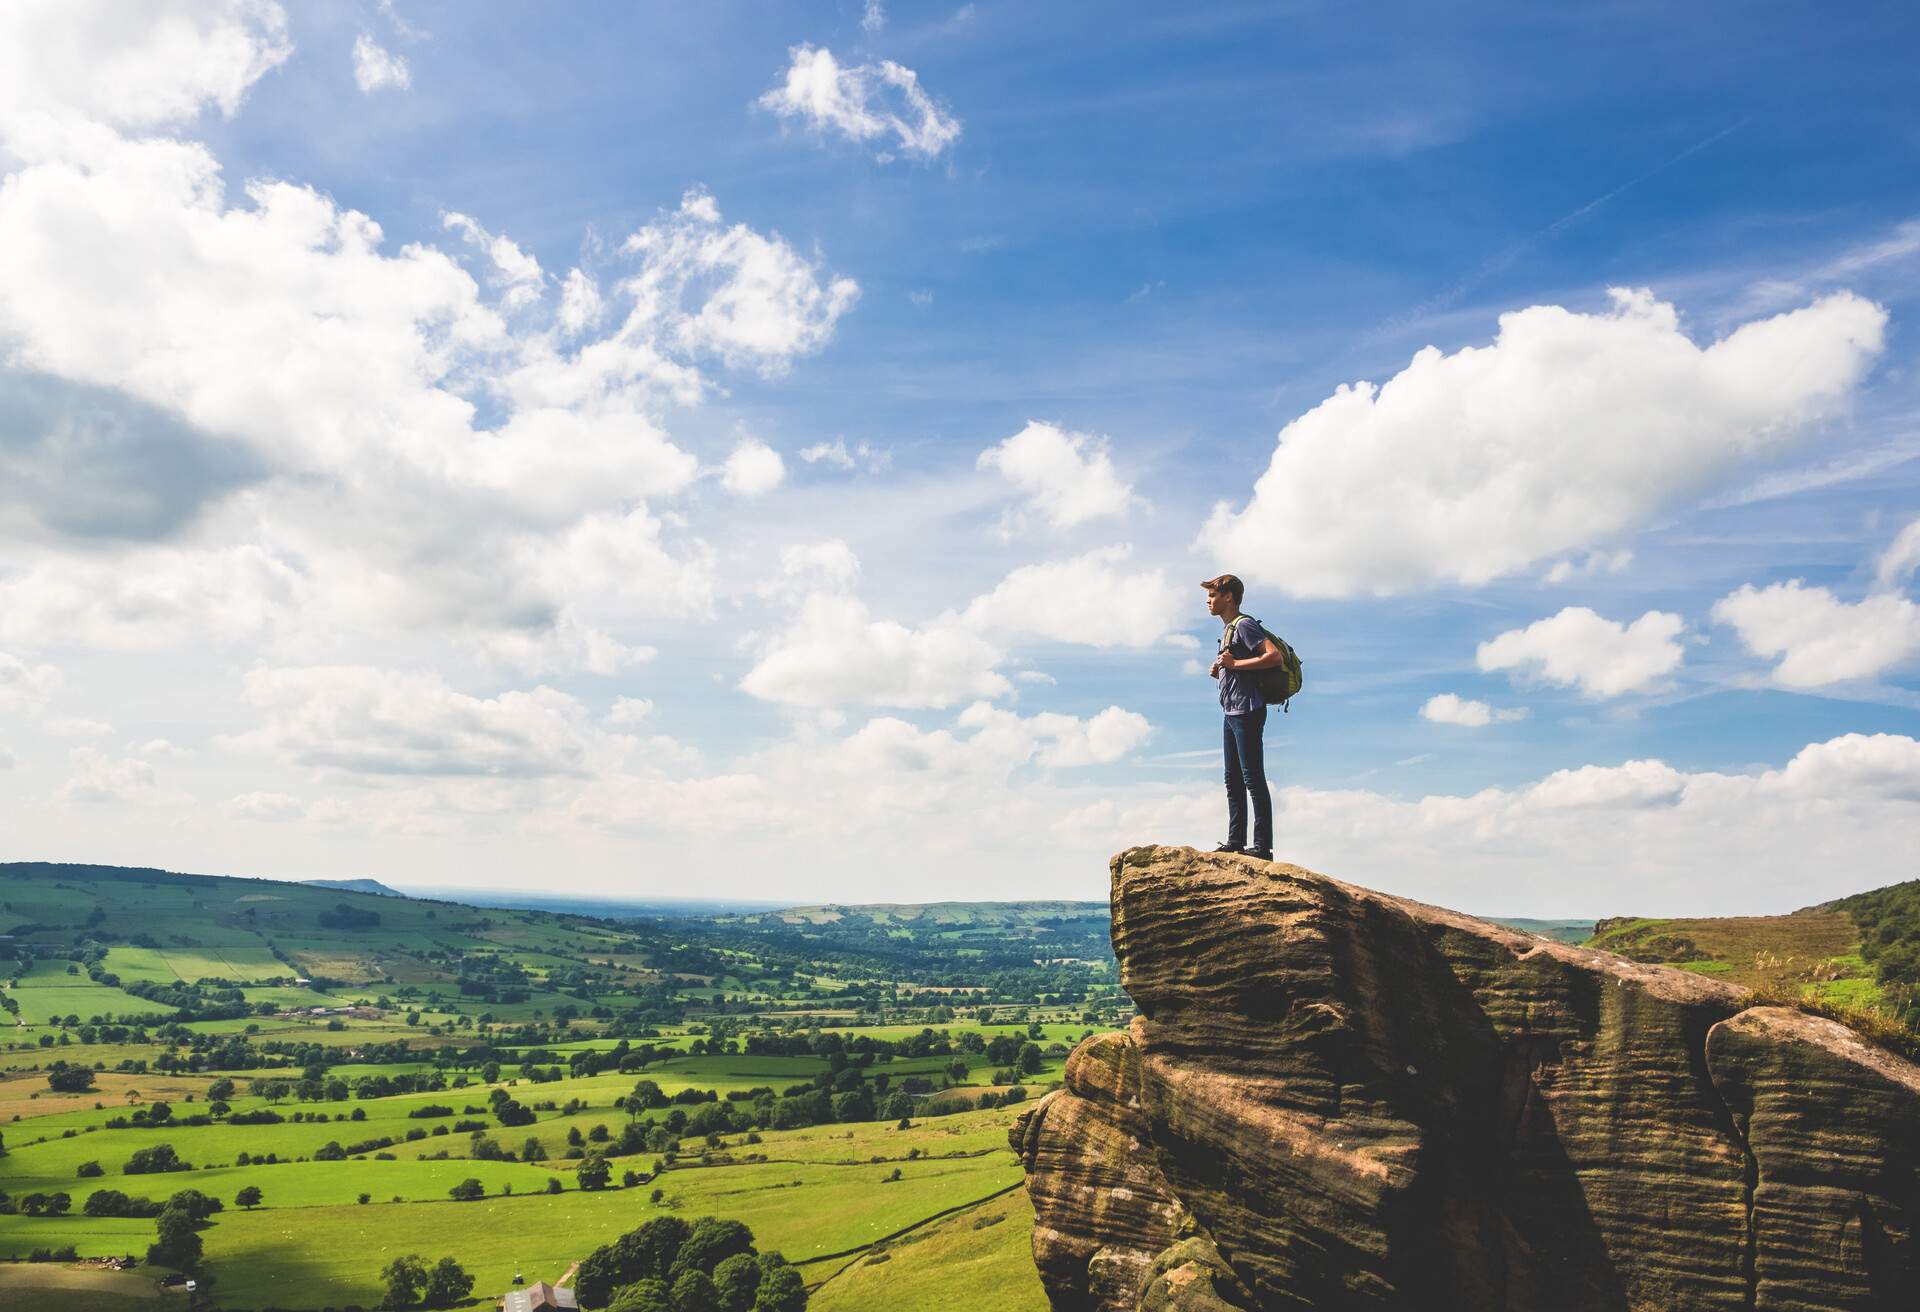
{"x": 1244, "y": 648}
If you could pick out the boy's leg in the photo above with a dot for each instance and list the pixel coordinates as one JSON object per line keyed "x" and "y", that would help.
{"x": 1236, "y": 783}
{"x": 1253, "y": 768}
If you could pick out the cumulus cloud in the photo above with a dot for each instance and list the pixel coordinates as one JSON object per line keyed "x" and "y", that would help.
{"x": 1569, "y": 430}
{"x": 1819, "y": 638}
{"x": 265, "y": 806}
{"x": 98, "y": 778}
{"x": 155, "y": 598}
{"x": 761, "y": 304}
{"x": 879, "y": 103}
{"x": 377, "y": 69}
{"x": 832, "y": 563}
{"x": 838, "y": 453}
{"x": 629, "y": 711}
{"x": 65, "y": 62}
{"x": 23, "y": 685}
{"x": 1449, "y": 708}
{"x": 1638, "y": 838}
{"x": 1901, "y": 558}
{"x": 515, "y": 271}
{"x": 1059, "y": 741}
{"x": 835, "y": 652}
{"x": 1067, "y": 478}
{"x": 1092, "y": 600}
{"x": 371, "y": 492}
{"x": 753, "y": 469}
{"x": 366, "y": 721}
{"x": 1602, "y": 657}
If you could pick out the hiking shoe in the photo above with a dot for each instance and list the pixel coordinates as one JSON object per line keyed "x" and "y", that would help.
{"x": 1229, "y": 847}
{"x": 1260, "y": 853}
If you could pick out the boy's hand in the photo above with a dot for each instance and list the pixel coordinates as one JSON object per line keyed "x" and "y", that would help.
{"x": 1226, "y": 662}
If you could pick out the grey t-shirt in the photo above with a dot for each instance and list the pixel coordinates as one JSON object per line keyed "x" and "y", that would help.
{"x": 1238, "y": 696}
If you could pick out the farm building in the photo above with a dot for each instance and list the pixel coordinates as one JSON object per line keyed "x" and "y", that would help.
{"x": 542, "y": 1297}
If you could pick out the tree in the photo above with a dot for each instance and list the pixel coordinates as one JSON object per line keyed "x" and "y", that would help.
{"x": 467, "y": 1190}
{"x": 195, "y": 1204}
{"x": 154, "y": 1160}
{"x": 648, "y": 1295}
{"x": 646, "y": 1094}
{"x": 405, "y": 1277}
{"x": 593, "y": 1172}
{"x": 248, "y": 1197}
{"x": 446, "y": 1284}
{"x": 738, "y": 1280}
{"x": 694, "y": 1292}
{"x": 87, "y": 1170}
{"x": 533, "y": 1151}
{"x": 1031, "y": 1058}
{"x": 65, "y": 1077}
{"x": 45, "y": 1205}
{"x": 220, "y": 1090}
{"x": 781, "y": 1290}
{"x": 178, "y": 1242}
{"x": 711, "y": 1241}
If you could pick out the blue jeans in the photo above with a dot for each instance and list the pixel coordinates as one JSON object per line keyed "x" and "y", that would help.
{"x": 1247, "y": 772}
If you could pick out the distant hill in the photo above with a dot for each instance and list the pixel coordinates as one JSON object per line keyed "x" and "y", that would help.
{"x": 373, "y": 886}
{"x": 972, "y": 914}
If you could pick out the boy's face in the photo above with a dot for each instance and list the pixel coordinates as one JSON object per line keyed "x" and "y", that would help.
{"x": 1218, "y": 600}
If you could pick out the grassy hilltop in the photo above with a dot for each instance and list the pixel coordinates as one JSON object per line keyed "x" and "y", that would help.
{"x": 1857, "y": 958}
{"x": 839, "y": 1079}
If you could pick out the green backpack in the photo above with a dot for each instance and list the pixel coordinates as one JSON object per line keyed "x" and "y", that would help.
{"x": 1276, "y": 684}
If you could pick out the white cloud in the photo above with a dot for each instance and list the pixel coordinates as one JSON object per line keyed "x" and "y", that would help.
{"x": 1091, "y": 600}
{"x": 1449, "y": 708}
{"x": 836, "y": 452}
{"x": 23, "y": 685}
{"x": 921, "y": 297}
{"x": 880, "y": 102}
{"x": 1820, "y": 639}
{"x": 832, "y": 563}
{"x": 762, "y": 303}
{"x": 581, "y": 306}
{"x": 1641, "y": 838}
{"x": 376, "y": 69}
{"x": 516, "y": 272}
{"x": 159, "y": 747}
{"x": 835, "y": 652}
{"x": 265, "y": 806}
{"x": 7, "y": 759}
{"x": 132, "y": 66}
{"x": 154, "y": 598}
{"x": 1901, "y": 558}
{"x": 1603, "y": 657}
{"x": 1569, "y": 430}
{"x": 630, "y": 711}
{"x": 101, "y": 778}
{"x": 1068, "y": 478}
{"x": 753, "y": 469}
{"x": 1059, "y": 741}
{"x": 76, "y": 726}
{"x": 383, "y": 722}
{"x": 873, "y": 17}
{"x": 1634, "y": 784}
{"x": 1593, "y": 564}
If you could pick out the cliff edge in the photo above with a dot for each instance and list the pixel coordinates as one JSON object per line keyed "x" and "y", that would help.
{"x": 1335, "y": 1099}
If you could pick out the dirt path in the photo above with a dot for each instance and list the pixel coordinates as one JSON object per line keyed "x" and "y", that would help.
{"x": 561, "y": 1282}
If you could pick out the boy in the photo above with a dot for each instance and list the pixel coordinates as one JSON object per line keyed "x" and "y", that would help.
{"x": 1244, "y": 648}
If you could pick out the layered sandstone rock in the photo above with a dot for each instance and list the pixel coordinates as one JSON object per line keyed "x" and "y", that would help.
{"x": 1337, "y": 1099}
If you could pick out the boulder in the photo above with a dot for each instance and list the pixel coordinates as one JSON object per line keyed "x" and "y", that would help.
{"x": 1337, "y": 1099}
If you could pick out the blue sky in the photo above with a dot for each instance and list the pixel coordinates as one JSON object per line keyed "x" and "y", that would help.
{"x": 769, "y": 450}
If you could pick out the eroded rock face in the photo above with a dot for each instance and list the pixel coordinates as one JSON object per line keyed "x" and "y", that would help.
{"x": 1337, "y": 1099}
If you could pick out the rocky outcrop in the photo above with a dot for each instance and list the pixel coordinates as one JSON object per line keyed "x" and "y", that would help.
{"x": 1334, "y": 1099}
